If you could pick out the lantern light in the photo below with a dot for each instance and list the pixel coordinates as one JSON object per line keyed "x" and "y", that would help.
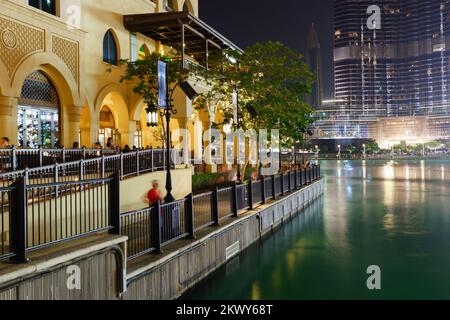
{"x": 152, "y": 115}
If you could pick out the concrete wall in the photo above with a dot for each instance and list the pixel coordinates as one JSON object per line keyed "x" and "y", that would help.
{"x": 133, "y": 192}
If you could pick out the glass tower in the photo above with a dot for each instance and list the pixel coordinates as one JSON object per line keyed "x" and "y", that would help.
{"x": 394, "y": 73}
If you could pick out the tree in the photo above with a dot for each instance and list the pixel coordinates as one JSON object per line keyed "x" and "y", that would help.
{"x": 143, "y": 76}
{"x": 351, "y": 149}
{"x": 372, "y": 147}
{"x": 274, "y": 80}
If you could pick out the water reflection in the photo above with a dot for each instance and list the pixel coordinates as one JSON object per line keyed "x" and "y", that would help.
{"x": 393, "y": 214}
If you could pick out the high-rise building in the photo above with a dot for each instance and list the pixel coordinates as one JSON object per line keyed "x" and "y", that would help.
{"x": 313, "y": 60}
{"x": 393, "y": 74}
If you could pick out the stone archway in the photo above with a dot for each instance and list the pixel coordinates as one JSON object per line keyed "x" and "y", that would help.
{"x": 67, "y": 90}
{"x": 113, "y": 99}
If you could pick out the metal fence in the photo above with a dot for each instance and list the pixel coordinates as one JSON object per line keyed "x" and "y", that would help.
{"x": 128, "y": 164}
{"x": 138, "y": 226}
{"x": 17, "y": 159}
{"x": 41, "y": 215}
{"x": 149, "y": 231}
{"x": 5, "y": 198}
{"x": 34, "y": 216}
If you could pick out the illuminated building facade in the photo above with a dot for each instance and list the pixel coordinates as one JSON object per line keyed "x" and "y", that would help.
{"x": 399, "y": 69}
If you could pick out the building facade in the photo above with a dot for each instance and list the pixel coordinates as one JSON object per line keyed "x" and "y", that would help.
{"x": 396, "y": 69}
{"x": 60, "y": 72}
{"x": 314, "y": 61}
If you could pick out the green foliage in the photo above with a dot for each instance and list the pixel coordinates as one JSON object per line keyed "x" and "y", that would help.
{"x": 204, "y": 181}
{"x": 372, "y": 147}
{"x": 143, "y": 74}
{"x": 351, "y": 149}
{"x": 433, "y": 145}
{"x": 274, "y": 80}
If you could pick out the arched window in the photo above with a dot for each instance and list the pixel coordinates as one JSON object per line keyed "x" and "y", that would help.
{"x": 38, "y": 112}
{"x": 48, "y": 6}
{"x": 143, "y": 52}
{"x": 110, "y": 54}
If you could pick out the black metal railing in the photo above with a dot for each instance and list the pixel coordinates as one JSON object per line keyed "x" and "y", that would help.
{"x": 128, "y": 164}
{"x": 138, "y": 226}
{"x": 34, "y": 216}
{"x": 5, "y": 199}
{"x": 203, "y": 205}
{"x": 149, "y": 230}
{"x": 41, "y": 215}
{"x": 18, "y": 159}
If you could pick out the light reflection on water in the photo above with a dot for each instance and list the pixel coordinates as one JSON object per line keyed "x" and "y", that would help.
{"x": 395, "y": 214}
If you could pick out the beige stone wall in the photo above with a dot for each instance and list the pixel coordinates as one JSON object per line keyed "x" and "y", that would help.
{"x": 73, "y": 59}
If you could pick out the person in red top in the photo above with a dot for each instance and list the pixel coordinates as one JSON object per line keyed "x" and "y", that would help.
{"x": 154, "y": 194}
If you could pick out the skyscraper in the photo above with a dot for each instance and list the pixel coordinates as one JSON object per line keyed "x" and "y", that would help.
{"x": 313, "y": 60}
{"x": 393, "y": 75}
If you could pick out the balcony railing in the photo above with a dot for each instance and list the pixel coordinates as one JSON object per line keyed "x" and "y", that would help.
{"x": 128, "y": 164}
{"x": 18, "y": 159}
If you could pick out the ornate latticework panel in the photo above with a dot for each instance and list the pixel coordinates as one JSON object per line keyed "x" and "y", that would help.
{"x": 17, "y": 41}
{"x": 38, "y": 91}
{"x": 68, "y": 52}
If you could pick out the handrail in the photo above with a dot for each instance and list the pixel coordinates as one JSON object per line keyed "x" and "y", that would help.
{"x": 182, "y": 218}
{"x": 128, "y": 164}
{"x": 17, "y": 159}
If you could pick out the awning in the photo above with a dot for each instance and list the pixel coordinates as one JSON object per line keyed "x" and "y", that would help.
{"x": 186, "y": 33}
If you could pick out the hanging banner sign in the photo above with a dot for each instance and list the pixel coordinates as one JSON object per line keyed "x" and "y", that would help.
{"x": 162, "y": 85}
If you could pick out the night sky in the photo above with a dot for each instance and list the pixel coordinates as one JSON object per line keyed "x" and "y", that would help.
{"x": 245, "y": 22}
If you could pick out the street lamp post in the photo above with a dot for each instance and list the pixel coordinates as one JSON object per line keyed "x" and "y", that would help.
{"x": 364, "y": 150}
{"x": 339, "y": 153}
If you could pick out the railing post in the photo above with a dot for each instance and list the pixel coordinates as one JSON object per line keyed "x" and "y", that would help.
{"x": 121, "y": 165}
{"x": 103, "y": 167}
{"x": 63, "y": 155}
{"x": 114, "y": 204}
{"x": 215, "y": 207}
{"x": 263, "y": 190}
{"x": 14, "y": 158}
{"x": 319, "y": 171}
{"x": 289, "y": 180}
{"x": 156, "y": 227}
{"x": 274, "y": 191}
{"x": 152, "y": 162}
{"x": 295, "y": 179}
{"x": 81, "y": 169}
{"x": 190, "y": 216}
{"x": 18, "y": 220}
{"x": 234, "y": 201}
{"x": 282, "y": 184}
{"x": 55, "y": 173}
{"x": 84, "y": 154}
{"x": 250, "y": 194}
{"x": 137, "y": 162}
{"x": 41, "y": 160}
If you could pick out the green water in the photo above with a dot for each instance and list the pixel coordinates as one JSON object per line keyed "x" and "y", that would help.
{"x": 394, "y": 215}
